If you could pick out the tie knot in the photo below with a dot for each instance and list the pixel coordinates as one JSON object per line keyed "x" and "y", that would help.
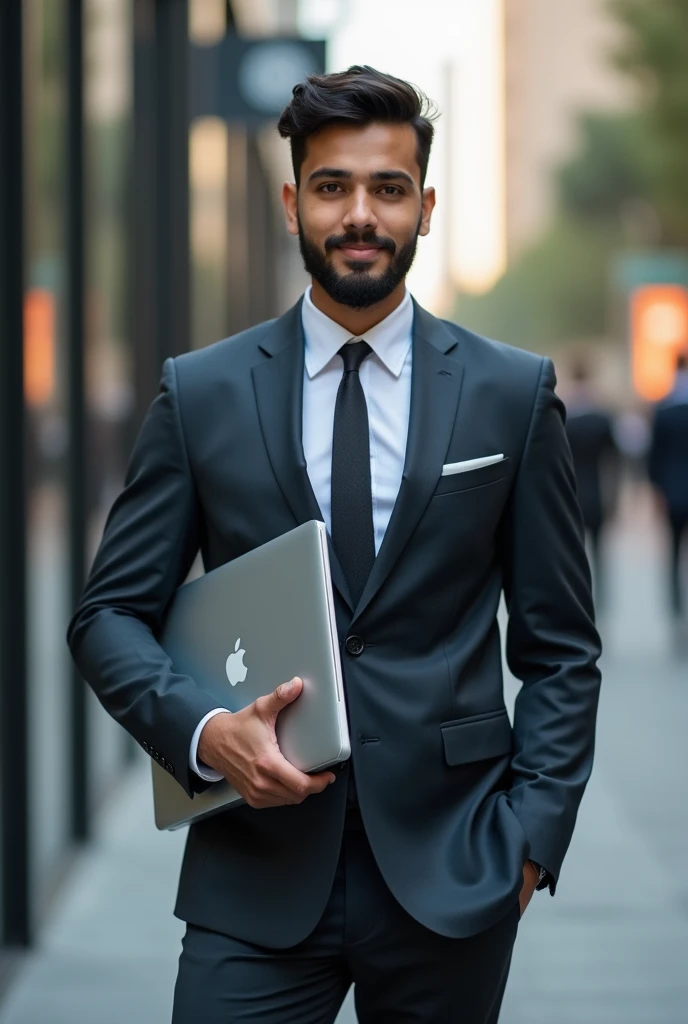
{"x": 353, "y": 354}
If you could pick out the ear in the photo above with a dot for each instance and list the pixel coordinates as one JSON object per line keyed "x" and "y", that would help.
{"x": 427, "y": 206}
{"x": 290, "y": 202}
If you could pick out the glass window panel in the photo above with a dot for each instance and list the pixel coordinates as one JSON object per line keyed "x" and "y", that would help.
{"x": 208, "y": 155}
{"x": 47, "y": 438}
{"x": 109, "y": 371}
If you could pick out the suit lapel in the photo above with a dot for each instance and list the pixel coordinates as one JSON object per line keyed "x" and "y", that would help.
{"x": 278, "y": 385}
{"x": 435, "y": 388}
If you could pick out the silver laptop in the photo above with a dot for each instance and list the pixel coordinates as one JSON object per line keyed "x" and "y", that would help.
{"x": 240, "y": 631}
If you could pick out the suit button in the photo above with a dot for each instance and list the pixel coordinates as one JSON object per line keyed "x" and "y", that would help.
{"x": 170, "y": 768}
{"x": 354, "y": 645}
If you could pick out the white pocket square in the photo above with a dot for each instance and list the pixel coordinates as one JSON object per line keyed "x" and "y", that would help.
{"x": 464, "y": 467}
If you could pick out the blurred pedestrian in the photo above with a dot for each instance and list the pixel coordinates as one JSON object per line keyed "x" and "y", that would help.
{"x": 439, "y": 463}
{"x": 632, "y": 436}
{"x": 668, "y": 472}
{"x": 590, "y": 430}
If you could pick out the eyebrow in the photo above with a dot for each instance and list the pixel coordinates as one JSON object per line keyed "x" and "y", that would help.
{"x": 329, "y": 172}
{"x": 394, "y": 175}
{"x": 338, "y": 172}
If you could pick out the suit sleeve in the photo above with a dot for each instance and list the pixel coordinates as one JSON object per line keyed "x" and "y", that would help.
{"x": 552, "y": 643}
{"x": 148, "y": 546}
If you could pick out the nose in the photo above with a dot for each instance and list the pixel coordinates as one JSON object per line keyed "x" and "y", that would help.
{"x": 359, "y": 214}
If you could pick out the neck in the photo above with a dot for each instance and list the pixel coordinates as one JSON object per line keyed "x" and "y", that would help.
{"x": 356, "y": 321}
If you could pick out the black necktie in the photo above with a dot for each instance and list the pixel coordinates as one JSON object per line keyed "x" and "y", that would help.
{"x": 353, "y": 535}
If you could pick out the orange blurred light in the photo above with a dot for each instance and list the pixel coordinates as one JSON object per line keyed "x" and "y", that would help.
{"x": 39, "y": 346}
{"x": 659, "y": 331}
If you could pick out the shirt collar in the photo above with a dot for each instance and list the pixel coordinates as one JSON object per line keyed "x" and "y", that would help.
{"x": 390, "y": 340}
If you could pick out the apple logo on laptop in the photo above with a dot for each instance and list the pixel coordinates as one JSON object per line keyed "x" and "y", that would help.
{"x": 235, "y": 668}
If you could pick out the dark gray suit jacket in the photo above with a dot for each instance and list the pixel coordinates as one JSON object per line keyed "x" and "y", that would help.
{"x": 453, "y": 800}
{"x": 595, "y": 461}
{"x": 668, "y": 455}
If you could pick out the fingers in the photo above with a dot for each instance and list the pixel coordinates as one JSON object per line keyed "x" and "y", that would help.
{"x": 266, "y": 793}
{"x": 272, "y": 780}
{"x": 269, "y": 789}
{"x": 297, "y": 783}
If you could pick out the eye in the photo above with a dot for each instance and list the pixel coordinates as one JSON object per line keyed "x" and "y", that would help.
{"x": 391, "y": 190}
{"x": 330, "y": 188}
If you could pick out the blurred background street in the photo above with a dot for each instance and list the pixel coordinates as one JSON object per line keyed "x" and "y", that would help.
{"x": 140, "y": 218}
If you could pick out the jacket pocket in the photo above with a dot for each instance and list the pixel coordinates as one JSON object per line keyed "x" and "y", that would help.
{"x": 477, "y": 738}
{"x": 455, "y": 482}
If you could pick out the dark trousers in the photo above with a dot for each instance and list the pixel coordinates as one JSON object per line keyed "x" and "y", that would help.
{"x": 403, "y": 973}
{"x": 678, "y": 526}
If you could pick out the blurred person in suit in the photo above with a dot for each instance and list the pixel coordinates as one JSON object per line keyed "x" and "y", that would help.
{"x": 590, "y": 431}
{"x": 632, "y": 436}
{"x": 439, "y": 462}
{"x": 668, "y": 472}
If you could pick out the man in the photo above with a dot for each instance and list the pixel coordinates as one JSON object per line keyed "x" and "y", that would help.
{"x": 409, "y": 883}
{"x": 590, "y": 432}
{"x": 668, "y": 471}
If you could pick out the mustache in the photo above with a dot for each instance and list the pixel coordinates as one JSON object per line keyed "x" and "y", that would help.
{"x": 367, "y": 238}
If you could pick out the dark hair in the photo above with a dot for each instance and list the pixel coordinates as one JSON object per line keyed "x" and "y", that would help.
{"x": 359, "y": 96}
{"x": 580, "y": 368}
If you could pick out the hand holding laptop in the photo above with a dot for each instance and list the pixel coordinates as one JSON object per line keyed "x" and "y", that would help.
{"x": 273, "y": 749}
{"x": 243, "y": 747}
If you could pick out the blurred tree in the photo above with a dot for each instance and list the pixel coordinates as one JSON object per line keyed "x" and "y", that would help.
{"x": 626, "y": 186}
{"x": 654, "y": 51}
{"x": 554, "y": 293}
{"x": 610, "y": 169}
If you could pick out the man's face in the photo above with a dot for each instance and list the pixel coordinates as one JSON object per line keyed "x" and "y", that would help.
{"x": 359, "y": 210}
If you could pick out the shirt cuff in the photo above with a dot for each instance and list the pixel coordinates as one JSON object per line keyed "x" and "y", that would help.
{"x": 203, "y": 770}
{"x": 545, "y": 879}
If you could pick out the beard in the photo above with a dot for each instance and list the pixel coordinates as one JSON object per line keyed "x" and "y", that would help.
{"x": 360, "y": 288}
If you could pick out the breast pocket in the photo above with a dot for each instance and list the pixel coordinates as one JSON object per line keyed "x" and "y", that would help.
{"x": 455, "y": 483}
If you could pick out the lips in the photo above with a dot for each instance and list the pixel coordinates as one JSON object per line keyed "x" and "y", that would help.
{"x": 364, "y": 252}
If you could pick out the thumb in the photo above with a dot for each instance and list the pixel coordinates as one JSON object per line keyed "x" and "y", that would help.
{"x": 286, "y": 693}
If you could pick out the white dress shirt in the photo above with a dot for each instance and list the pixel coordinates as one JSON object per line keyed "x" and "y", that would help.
{"x": 386, "y": 381}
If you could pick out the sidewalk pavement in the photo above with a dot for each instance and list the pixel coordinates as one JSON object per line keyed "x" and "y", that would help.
{"x": 611, "y": 948}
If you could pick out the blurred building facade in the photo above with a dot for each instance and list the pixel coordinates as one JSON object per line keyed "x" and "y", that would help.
{"x": 556, "y": 65}
{"x": 129, "y": 235}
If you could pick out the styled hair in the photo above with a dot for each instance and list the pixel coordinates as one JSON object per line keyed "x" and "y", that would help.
{"x": 359, "y": 96}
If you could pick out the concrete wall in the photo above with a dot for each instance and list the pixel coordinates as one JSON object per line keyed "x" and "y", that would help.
{"x": 556, "y": 64}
